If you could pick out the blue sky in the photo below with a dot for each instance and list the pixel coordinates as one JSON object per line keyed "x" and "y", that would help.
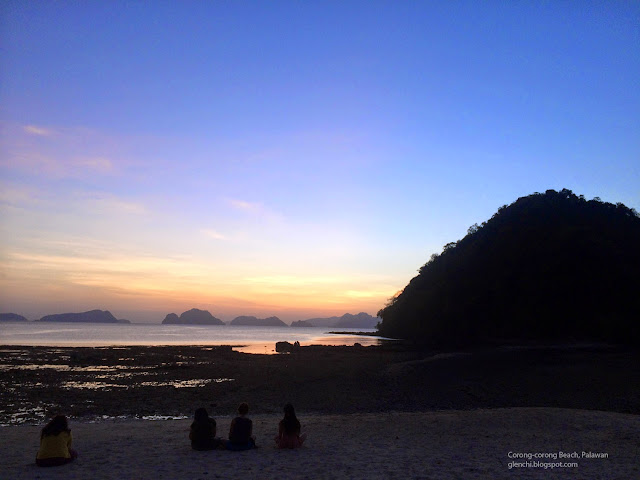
{"x": 291, "y": 158}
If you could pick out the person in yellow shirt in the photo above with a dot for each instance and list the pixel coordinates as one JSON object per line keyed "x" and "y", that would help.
{"x": 55, "y": 444}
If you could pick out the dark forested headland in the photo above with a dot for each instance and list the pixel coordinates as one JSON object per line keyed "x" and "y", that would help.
{"x": 548, "y": 267}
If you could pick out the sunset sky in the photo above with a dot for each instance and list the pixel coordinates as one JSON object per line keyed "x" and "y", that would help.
{"x": 290, "y": 158}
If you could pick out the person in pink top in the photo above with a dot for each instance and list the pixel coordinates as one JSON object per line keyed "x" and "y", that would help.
{"x": 289, "y": 430}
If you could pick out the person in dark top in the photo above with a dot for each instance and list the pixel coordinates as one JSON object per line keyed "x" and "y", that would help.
{"x": 203, "y": 431}
{"x": 241, "y": 430}
{"x": 289, "y": 430}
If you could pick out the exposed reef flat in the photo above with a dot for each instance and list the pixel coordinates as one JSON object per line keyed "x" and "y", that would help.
{"x": 172, "y": 381}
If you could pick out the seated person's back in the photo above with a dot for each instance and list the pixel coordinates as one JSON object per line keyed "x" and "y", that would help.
{"x": 289, "y": 430}
{"x": 55, "y": 444}
{"x": 240, "y": 432}
{"x": 203, "y": 431}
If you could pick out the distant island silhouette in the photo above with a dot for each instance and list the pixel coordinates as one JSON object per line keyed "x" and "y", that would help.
{"x": 204, "y": 317}
{"x": 192, "y": 317}
{"x": 93, "y": 316}
{"x": 12, "y": 317}
{"x": 550, "y": 267}
{"x": 348, "y": 320}
{"x": 301, "y": 323}
{"x": 251, "y": 321}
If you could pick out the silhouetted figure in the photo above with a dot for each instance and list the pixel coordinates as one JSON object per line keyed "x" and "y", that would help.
{"x": 203, "y": 431}
{"x": 55, "y": 444}
{"x": 241, "y": 430}
{"x": 289, "y": 430}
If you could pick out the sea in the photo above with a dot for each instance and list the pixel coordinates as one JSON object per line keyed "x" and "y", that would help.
{"x": 243, "y": 338}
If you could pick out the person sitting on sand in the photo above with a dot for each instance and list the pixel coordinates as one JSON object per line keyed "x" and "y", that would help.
{"x": 203, "y": 431}
{"x": 289, "y": 430}
{"x": 55, "y": 444}
{"x": 240, "y": 432}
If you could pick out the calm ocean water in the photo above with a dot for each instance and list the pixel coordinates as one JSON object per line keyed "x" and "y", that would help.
{"x": 252, "y": 339}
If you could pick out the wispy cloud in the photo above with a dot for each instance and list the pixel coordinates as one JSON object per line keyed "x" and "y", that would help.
{"x": 257, "y": 210}
{"x": 291, "y": 280}
{"x": 40, "y": 131}
{"x": 109, "y": 270}
{"x": 246, "y": 206}
{"x": 58, "y": 153}
{"x": 369, "y": 293}
{"x": 16, "y": 195}
{"x": 213, "y": 234}
{"x": 106, "y": 203}
{"x": 98, "y": 164}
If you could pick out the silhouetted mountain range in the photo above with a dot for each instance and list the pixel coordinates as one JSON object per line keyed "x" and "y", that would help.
{"x": 192, "y": 317}
{"x": 204, "y": 317}
{"x": 548, "y": 267}
{"x": 258, "y": 322}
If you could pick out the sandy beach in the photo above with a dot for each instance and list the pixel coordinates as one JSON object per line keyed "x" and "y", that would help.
{"x": 473, "y": 444}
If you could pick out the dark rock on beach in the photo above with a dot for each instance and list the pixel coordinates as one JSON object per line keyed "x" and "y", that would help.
{"x": 287, "y": 347}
